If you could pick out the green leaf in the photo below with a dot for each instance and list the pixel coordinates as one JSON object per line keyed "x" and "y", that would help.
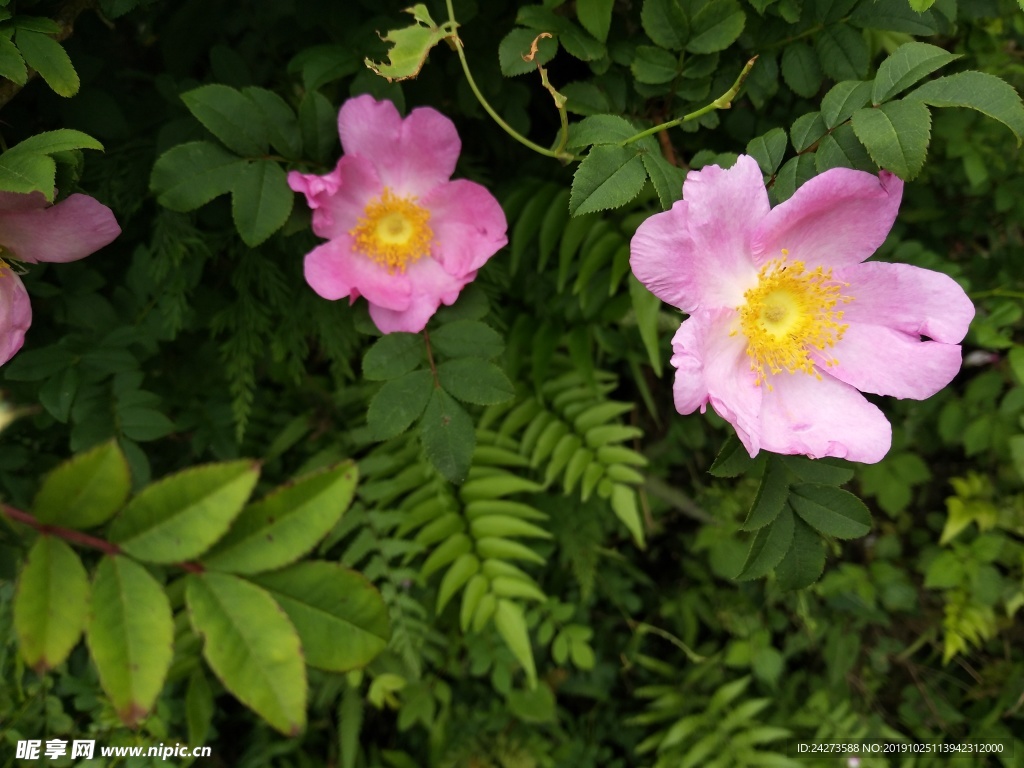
{"x": 410, "y": 46}
{"x": 190, "y": 175}
{"x": 61, "y": 140}
{"x": 199, "y": 707}
{"x": 623, "y": 500}
{"x": 140, "y": 423}
{"x": 905, "y": 66}
{"x": 800, "y": 69}
{"x": 842, "y": 52}
{"x": 771, "y": 496}
{"x": 251, "y": 646}
{"x": 595, "y": 16}
{"x": 646, "y": 307}
{"x": 665, "y": 23}
{"x": 12, "y": 65}
{"x": 511, "y": 625}
{"x": 806, "y": 130}
{"x": 261, "y": 201}
{"x": 51, "y": 603}
{"x": 446, "y": 431}
{"x": 399, "y": 403}
{"x": 791, "y": 176}
{"x": 842, "y": 149}
{"x": 769, "y": 546}
{"x": 318, "y": 124}
{"x": 732, "y": 460}
{"x": 831, "y": 510}
{"x": 130, "y": 634}
{"x": 805, "y": 560}
{"x": 279, "y": 119}
{"x": 86, "y": 490}
{"x": 48, "y": 57}
{"x": 576, "y": 42}
{"x": 609, "y": 177}
{"x": 466, "y": 338}
{"x": 286, "y": 524}
{"x": 980, "y": 91}
{"x": 769, "y": 150}
{"x": 820, "y": 471}
{"x": 715, "y": 26}
{"x": 894, "y": 15}
{"x": 393, "y": 355}
{"x": 234, "y": 119}
{"x": 517, "y": 44}
{"x": 654, "y": 65}
{"x": 20, "y": 172}
{"x": 600, "y": 129}
{"x": 477, "y": 381}
{"x": 896, "y": 135}
{"x": 842, "y": 100}
{"x": 181, "y": 516}
{"x": 339, "y": 615}
{"x": 667, "y": 179}
{"x": 462, "y": 570}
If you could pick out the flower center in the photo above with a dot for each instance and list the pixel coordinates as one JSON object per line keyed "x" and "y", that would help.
{"x": 789, "y": 314}
{"x": 393, "y": 231}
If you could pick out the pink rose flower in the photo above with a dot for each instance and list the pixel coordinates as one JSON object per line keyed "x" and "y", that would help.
{"x": 786, "y": 321}
{"x": 32, "y": 230}
{"x": 399, "y": 231}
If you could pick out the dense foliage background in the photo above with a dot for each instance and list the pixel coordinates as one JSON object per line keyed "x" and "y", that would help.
{"x": 566, "y": 594}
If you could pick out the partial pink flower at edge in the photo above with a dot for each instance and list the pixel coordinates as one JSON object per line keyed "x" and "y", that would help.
{"x": 32, "y": 231}
{"x": 787, "y": 324}
{"x": 400, "y": 232}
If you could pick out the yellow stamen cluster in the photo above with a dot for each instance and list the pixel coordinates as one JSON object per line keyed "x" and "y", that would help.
{"x": 393, "y": 231}
{"x": 787, "y": 315}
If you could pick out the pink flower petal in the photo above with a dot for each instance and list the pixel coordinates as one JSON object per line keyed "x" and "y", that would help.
{"x": 821, "y": 417}
{"x": 431, "y": 285}
{"x": 15, "y": 314}
{"x": 412, "y": 156}
{"x": 335, "y": 271}
{"x": 19, "y": 201}
{"x": 838, "y": 218}
{"x": 67, "y": 231}
{"x": 884, "y": 361}
{"x": 468, "y": 223}
{"x": 713, "y": 367}
{"x": 907, "y": 298}
{"x": 338, "y": 199}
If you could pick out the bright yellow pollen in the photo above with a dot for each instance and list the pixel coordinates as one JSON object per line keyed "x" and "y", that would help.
{"x": 393, "y": 231}
{"x": 788, "y": 314}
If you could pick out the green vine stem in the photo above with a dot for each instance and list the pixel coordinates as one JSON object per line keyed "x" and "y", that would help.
{"x": 722, "y": 102}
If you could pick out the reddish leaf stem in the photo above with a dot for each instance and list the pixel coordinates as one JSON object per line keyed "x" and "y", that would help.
{"x": 67, "y": 534}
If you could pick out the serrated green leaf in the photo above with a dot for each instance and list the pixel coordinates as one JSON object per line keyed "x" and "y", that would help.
{"x": 980, "y": 91}
{"x": 130, "y": 634}
{"x": 399, "y": 403}
{"x": 769, "y": 150}
{"x": 181, "y": 516}
{"x": 517, "y": 44}
{"x": 665, "y": 23}
{"x": 409, "y": 46}
{"x": 446, "y": 431}
{"x": 831, "y": 510}
{"x": 654, "y": 65}
{"x": 339, "y": 615}
{"x": 279, "y": 120}
{"x": 894, "y": 15}
{"x": 86, "y": 490}
{"x": 896, "y": 135}
{"x": 715, "y": 26}
{"x": 141, "y": 423}
{"x": 646, "y": 307}
{"x": 842, "y": 100}
{"x": 769, "y": 546}
{"x": 393, "y": 355}
{"x": 51, "y": 142}
{"x": 199, "y": 707}
{"x": 905, "y": 66}
{"x": 732, "y": 459}
{"x": 771, "y": 496}
{"x": 251, "y": 646}
{"x": 600, "y": 129}
{"x": 48, "y": 57}
{"x": 842, "y": 52}
{"x": 286, "y": 524}
{"x": 261, "y": 201}
{"x": 806, "y": 130}
{"x": 667, "y": 179}
{"x": 792, "y": 175}
{"x": 20, "y": 172}
{"x": 51, "y": 603}
{"x": 474, "y": 380}
{"x": 511, "y": 625}
{"x": 467, "y": 338}
{"x": 842, "y": 149}
{"x": 801, "y": 70}
{"x": 576, "y": 42}
{"x": 190, "y": 175}
{"x": 595, "y": 16}
{"x": 318, "y": 124}
{"x": 820, "y": 471}
{"x": 234, "y": 119}
{"x": 805, "y": 560}
{"x": 12, "y": 65}
{"x": 609, "y": 177}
